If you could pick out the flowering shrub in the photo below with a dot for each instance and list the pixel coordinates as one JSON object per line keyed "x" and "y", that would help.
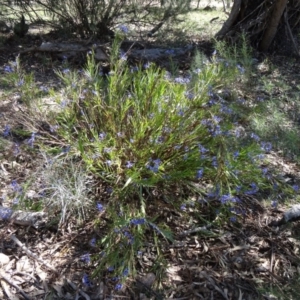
{"x": 148, "y": 134}
{"x": 142, "y": 129}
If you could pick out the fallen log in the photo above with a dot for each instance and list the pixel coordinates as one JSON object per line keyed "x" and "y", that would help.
{"x": 291, "y": 215}
{"x": 23, "y": 218}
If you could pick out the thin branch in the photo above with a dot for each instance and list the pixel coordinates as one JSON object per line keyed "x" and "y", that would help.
{"x": 31, "y": 254}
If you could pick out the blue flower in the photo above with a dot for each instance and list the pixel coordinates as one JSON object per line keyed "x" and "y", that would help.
{"x": 5, "y": 213}
{"x": 266, "y": 146}
{"x": 8, "y": 69}
{"x": 86, "y": 281}
{"x": 129, "y": 164}
{"x": 6, "y": 131}
{"x": 183, "y": 207}
{"x": 295, "y": 187}
{"x": 123, "y": 28}
{"x": 274, "y": 204}
{"x": 110, "y": 269}
{"x": 182, "y": 80}
{"x": 255, "y": 137}
{"x": 170, "y": 51}
{"x": 254, "y": 189}
{"x": 125, "y": 272}
{"x": 20, "y": 82}
{"x": 147, "y": 65}
{"x": 16, "y": 149}
{"x": 123, "y": 56}
{"x": 214, "y": 161}
{"x": 236, "y": 154}
{"x": 86, "y": 258}
{"x": 93, "y": 242}
{"x": 109, "y": 162}
{"x": 199, "y": 173}
{"x": 66, "y": 149}
{"x": 140, "y": 221}
{"x": 241, "y": 69}
{"x": 232, "y": 219}
{"x": 225, "y": 198}
{"x": 118, "y": 286}
{"x": 100, "y": 207}
{"x": 16, "y": 187}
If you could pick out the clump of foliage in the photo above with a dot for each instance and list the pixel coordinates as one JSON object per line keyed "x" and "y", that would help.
{"x": 93, "y": 17}
{"x": 148, "y": 135}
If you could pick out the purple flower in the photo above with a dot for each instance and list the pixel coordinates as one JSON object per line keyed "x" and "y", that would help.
{"x": 110, "y": 269}
{"x": 274, "y": 204}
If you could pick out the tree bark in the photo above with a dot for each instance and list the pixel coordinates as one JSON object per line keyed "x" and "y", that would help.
{"x": 264, "y": 24}
{"x": 271, "y": 30}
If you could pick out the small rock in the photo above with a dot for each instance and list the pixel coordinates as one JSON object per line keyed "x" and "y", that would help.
{"x": 4, "y": 259}
{"x": 147, "y": 279}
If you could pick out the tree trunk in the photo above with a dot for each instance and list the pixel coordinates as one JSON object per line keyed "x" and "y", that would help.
{"x": 271, "y": 30}
{"x": 265, "y": 23}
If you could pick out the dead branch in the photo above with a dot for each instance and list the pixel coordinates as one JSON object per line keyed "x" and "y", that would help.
{"x": 31, "y": 254}
{"x": 3, "y": 276}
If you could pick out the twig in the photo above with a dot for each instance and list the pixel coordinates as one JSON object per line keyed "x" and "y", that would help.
{"x": 31, "y": 254}
{"x": 82, "y": 293}
{"x": 15, "y": 286}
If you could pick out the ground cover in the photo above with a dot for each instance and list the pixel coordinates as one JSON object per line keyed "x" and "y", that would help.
{"x": 168, "y": 182}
